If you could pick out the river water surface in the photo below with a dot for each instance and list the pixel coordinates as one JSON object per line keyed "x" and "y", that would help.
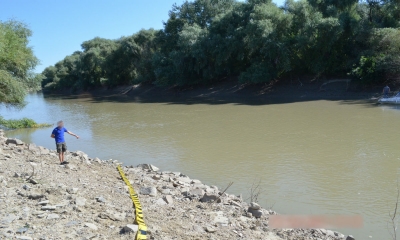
{"x": 312, "y": 157}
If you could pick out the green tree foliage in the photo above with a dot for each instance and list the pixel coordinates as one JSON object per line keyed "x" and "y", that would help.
{"x": 16, "y": 63}
{"x": 205, "y": 41}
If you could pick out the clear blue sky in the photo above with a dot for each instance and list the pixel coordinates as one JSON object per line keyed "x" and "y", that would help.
{"x": 59, "y": 27}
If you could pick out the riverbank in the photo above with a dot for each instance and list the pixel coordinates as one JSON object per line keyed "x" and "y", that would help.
{"x": 287, "y": 91}
{"x": 87, "y": 199}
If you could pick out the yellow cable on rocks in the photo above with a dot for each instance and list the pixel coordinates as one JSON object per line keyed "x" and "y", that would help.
{"x": 142, "y": 232}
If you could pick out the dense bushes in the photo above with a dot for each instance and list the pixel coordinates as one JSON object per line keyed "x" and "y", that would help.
{"x": 20, "y": 123}
{"x": 204, "y": 41}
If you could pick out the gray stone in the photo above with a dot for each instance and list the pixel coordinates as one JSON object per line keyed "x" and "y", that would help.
{"x": 131, "y": 228}
{"x": 255, "y": 213}
{"x": 44, "y": 151}
{"x": 80, "y": 201}
{"x": 71, "y": 223}
{"x": 72, "y": 190}
{"x": 44, "y": 202}
{"x": 209, "y": 198}
{"x": 151, "y": 191}
{"x": 91, "y": 226}
{"x": 211, "y": 229}
{"x": 52, "y": 216}
{"x": 22, "y": 230}
{"x": 197, "y": 228}
{"x": 101, "y": 199}
{"x": 161, "y": 202}
{"x": 14, "y": 141}
{"x": 196, "y": 181}
{"x": 157, "y": 177}
{"x": 168, "y": 199}
{"x": 35, "y": 194}
{"x": 23, "y": 237}
{"x": 49, "y": 208}
{"x": 183, "y": 180}
{"x": 219, "y": 219}
{"x": 166, "y": 191}
{"x": 350, "y": 237}
{"x": 148, "y": 167}
{"x": 119, "y": 216}
{"x": 254, "y": 206}
{"x": 32, "y": 147}
{"x": 196, "y": 192}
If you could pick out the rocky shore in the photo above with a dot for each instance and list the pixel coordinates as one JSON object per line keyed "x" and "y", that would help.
{"x": 87, "y": 199}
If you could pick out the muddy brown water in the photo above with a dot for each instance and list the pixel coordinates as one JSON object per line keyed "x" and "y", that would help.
{"x": 312, "y": 157}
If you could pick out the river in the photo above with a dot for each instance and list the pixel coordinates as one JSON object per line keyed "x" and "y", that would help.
{"x": 312, "y": 157}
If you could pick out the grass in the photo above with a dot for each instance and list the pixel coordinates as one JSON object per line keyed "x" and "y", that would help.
{"x": 21, "y": 123}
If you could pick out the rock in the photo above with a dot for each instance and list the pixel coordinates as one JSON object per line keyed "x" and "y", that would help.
{"x": 17, "y": 175}
{"x": 23, "y": 237}
{"x": 8, "y": 219}
{"x": 183, "y": 180}
{"x": 329, "y": 233}
{"x": 166, "y": 191}
{"x": 52, "y": 216}
{"x": 72, "y": 190}
{"x": 44, "y": 151}
{"x": 161, "y": 202}
{"x": 210, "y": 198}
{"x": 219, "y": 219}
{"x": 168, "y": 199}
{"x": 157, "y": 177}
{"x": 196, "y": 181}
{"x": 49, "y": 208}
{"x": 91, "y": 226}
{"x": 211, "y": 229}
{"x": 119, "y": 216}
{"x": 131, "y": 228}
{"x": 148, "y": 167}
{"x": 254, "y": 206}
{"x": 151, "y": 191}
{"x": 198, "y": 229}
{"x": 350, "y": 237}
{"x": 44, "y": 202}
{"x": 32, "y": 147}
{"x": 196, "y": 192}
{"x": 97, "y": 160}
{"x": 255, "y": 213}
{"x": 14, "y": 141}
{"x": 22, "y": 230}
{"x": 101, "y": 199}
{"x": 33, "y": 181}
{"x": 71, "y": 223}
{"x": 80, "y": 201}
{"x": 35, "y": 194}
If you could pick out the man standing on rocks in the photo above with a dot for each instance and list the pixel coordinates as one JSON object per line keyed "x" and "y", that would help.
{"x": 58, "y": 135}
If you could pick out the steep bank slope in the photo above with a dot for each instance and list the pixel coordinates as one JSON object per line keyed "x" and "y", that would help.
{"x": 86, "y": 199}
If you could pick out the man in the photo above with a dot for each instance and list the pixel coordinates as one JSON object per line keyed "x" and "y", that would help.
{"x": 58, "y": 135}
{"x": 386, "y": 91}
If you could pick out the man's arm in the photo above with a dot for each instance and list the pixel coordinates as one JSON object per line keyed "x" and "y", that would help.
{"x": 73, "y": 134}
{"x": 52, "y": 136}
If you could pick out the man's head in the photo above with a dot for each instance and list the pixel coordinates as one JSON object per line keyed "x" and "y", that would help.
{"x": 60, "y": 124}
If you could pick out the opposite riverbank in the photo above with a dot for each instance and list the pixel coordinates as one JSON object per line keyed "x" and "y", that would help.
{"x": 229, "y": 92}
{"x": 86, "y": 199}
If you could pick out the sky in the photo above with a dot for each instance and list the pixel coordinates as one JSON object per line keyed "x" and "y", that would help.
{"x": 59, "y": 27}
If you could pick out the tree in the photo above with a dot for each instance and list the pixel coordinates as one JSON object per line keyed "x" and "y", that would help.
{"x": 16, "y": 62}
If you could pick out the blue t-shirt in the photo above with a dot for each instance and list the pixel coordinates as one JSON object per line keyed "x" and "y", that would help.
{"x": 59, "y": 134}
